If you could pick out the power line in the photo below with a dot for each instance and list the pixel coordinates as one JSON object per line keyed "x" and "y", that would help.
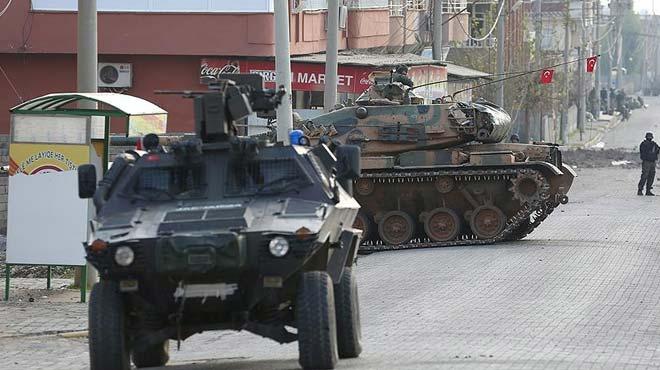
{"x": 499, "y": 13}
{"x": 4, "y": 10}
{"x": 518, "y": 75}
{"x": 11, "y": 84}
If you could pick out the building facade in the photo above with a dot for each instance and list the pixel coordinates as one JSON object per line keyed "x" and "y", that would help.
{"x": 164, "y": 44}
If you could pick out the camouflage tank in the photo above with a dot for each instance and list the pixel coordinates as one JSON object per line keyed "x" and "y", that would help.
{"x": 440, "y": 174}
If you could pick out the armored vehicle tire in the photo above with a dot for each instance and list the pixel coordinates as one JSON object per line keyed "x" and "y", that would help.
{"x": 347, "y": 307}
{"x": 152, "y": 357}
{"x": 442, "y": 224}
{"x": 316, "y": 321}
{"x": 108, "y": 340}
{"x": 396, "y": 227}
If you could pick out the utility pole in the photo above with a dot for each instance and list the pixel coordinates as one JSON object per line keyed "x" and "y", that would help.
{"x": 582, "y": 98}
{"x": 86, "y": 69}
{"x": 500, "y": 55}
{"x": 563, "y": 128}
{"x": 331, "y": 50}
{"x": 596, "y": 47}
{"x": 618, "y": 12}
{"x": 538, "y": 30}
{"x": 437, "y": 30}
{"x": 282, "y": 70}
{"x": 405, "y": 25}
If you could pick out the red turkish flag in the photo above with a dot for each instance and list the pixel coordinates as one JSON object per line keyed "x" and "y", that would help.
{"x": 546, "y": 76}
{"x": 591, "y": 63}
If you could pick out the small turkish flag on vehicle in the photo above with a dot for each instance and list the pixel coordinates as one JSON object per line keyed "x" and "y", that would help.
{"x": 546, "y": 76}
{"x": 591, "y": 63}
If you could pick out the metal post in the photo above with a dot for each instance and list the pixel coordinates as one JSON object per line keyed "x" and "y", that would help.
{"x": 7, "y": 278}
{"x": 563, "y": 128}
{"x": 596, "y": 47}
{"x": 49, "y": 275}
{"x": 405, "y": 26}
{"x": 538, "y": 30}
{"x": 87, "y": 62}
{"x": 500, "y": 56}
{"x": 87, "y": 46}
{"x": 331, "y": 50}
{"x": 283, "y": 70}
{"x": 581, "y": 97}
{"x": 582, "y": 105}
{"x": 437, "y": 29}
{"x": 619, "y": 43}
{"x": 83, "y": 285}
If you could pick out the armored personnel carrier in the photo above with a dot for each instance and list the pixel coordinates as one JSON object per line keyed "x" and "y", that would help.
{"x": 439, "y": 174}
{"x": 223, "y": 233}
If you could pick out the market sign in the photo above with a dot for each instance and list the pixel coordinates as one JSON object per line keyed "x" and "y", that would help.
{"x": 304, "y": 76}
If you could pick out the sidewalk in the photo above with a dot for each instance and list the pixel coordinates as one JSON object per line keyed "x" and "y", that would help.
{"x": 593, "y": 132}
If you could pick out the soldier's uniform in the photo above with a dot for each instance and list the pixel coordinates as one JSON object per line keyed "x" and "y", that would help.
{"x": 401, "y": 75}
{"x": 648, "y": 152}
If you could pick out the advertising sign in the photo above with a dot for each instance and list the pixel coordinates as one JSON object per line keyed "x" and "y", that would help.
{"x": 34, "y": 159}
{"x": 149, "y": 124}
{"x": 304, "y": 76}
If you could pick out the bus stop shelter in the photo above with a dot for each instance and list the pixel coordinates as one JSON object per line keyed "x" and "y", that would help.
{"x": 50, "y": 137}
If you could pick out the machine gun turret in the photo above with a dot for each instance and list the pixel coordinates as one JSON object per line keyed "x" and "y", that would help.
{"x": 218, "y": 109}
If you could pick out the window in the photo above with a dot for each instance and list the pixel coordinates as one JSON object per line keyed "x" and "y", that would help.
{"x": 363, "y": 4}
{"x": 187, "y": 6}
{"x": 170, "y": 182}
{"x": 265, "y": 176}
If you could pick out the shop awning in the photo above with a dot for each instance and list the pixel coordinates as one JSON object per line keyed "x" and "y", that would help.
{"x": 464, "y": 72}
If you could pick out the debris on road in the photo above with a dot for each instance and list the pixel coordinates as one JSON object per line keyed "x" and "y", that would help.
{"x": 589, "y": 158}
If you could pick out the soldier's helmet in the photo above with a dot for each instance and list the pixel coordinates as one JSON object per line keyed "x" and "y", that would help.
{"x": 402, "y": 69}
{"x": 649, "y": 135}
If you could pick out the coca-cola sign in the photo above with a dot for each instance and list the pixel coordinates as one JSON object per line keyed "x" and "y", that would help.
{"x": 214, "y": 69}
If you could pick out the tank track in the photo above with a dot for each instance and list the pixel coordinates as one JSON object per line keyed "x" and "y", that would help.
{"x": 532, "y": 213}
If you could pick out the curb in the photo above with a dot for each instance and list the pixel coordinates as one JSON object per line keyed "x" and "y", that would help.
{"x": 73, "y": 334}
{"x": 614, "y": 122}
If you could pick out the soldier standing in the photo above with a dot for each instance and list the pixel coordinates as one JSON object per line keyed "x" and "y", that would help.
{"x": 401, "y": 75}
{"x": 648, "y": 152}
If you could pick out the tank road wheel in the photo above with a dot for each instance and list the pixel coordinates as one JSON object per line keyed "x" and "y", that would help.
{"x": 152, "y": 357}
{"x": 442, "y": 224}
{"x": 487, "y": 221}
{"x": 396, "y": 227}
{"x": 444, "y": 184}
{"x": 316, "y": 321}
{"x": 349, "y": 332}
{"x": 108, "y": 341}
{"x": 364, "y": 186}
{"x": 363, "y": 222}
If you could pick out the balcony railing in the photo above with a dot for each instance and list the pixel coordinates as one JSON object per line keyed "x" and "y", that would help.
{"x": 396, "y": 6}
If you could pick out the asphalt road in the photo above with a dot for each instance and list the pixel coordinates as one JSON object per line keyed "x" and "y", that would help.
{"x": 582, "y": 291}
{"x": 629, "y": 134}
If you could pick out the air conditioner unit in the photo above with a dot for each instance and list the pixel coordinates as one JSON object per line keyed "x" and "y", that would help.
{"x": 114, "y": 75}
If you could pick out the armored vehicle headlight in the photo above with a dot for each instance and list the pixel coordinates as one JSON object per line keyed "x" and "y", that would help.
{"x": 124, "y": 256}
{"x": 278, "y": 247}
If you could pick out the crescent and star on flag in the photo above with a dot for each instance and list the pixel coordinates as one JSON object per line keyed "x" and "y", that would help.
{"x": 546, "y": 74}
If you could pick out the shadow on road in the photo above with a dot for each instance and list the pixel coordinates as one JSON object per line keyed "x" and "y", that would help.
{"x": 234, "y": 364}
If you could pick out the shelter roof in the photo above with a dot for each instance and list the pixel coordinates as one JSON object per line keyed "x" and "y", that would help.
{"x": 392, "y": 60}
{"x": 122, "y": 104}
{"x": 371, "y": 60}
